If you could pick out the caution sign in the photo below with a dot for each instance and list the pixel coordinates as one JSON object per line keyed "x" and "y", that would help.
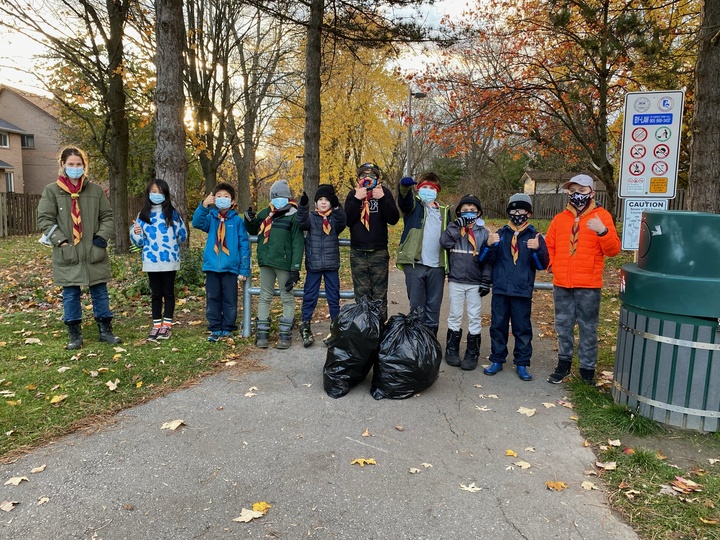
{"x": 632, "y": 217}
{"x": 651, "y": 144}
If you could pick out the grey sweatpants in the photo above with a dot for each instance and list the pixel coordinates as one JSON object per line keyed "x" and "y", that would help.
{"x": 581, "y": 306}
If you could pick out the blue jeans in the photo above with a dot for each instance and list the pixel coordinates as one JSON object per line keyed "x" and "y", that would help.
{"x": 72, "y": 308}
{"x": 311, "y": 293}
{"x": 513, "y": 310}
{"x": 425, "y": 287}
{"x": 221, "y": 301}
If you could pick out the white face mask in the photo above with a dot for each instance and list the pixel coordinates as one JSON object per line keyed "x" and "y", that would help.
{"x": 427, "y": 195}
{"x": 74, "y": 172}
{"x": 222, "y": 203}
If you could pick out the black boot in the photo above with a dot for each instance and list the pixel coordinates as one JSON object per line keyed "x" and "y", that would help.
{"x": 452, "y": 347}
{"x": 470, "y": 360}
{"x": 285, "y": 330}
{"x": 262, "y": 333}
{"x": 561, "y": 371}
{"x": 306, "y": 334}
{"x": 75, "y": 340}
{"x": 588, "y": 376}
{"x": 106, "y": 332}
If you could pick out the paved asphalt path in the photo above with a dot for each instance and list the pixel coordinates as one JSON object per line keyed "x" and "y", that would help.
{"x": 291, "y": 446}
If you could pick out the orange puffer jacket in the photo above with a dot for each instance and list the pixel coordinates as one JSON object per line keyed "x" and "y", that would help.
{"x": 585, "y": 268}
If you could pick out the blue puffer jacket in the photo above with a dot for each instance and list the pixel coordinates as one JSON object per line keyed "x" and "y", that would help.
{"x": 322, "y": 251}
{"x": 515, "y": 279}
{"x": 236, "y": 238}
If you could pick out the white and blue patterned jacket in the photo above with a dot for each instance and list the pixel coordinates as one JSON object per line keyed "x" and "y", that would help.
{"x": 160, "y": 244}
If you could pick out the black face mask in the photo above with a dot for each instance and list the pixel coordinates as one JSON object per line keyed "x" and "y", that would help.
{"x": 518, "y": 219}
{"x": 579, "y": 200}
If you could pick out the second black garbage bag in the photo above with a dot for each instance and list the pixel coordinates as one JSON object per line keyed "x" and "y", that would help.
{"x": 409, "y": 358}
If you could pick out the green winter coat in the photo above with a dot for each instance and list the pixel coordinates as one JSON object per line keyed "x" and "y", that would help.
{"x": 286, "y": 243}
{"x": 82, "y": 264}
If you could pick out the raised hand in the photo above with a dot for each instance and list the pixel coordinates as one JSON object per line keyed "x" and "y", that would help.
{"x": 534, "y": 243}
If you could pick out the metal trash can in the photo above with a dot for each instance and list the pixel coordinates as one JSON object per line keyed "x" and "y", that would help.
{"x": 667, "y": 362}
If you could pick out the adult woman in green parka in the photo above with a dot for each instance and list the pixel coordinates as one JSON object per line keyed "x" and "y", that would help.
{"x": 75, "y": 217}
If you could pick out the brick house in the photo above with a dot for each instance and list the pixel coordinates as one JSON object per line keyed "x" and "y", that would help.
{"x": 29, "y": 141}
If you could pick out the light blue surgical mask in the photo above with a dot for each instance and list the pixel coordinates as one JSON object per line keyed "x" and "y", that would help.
{"x": 157, "y": 198}
{"x": 469, "y": 215}
{"x": 279, "y": 202}
{"x": 74, "y": 172}
{"x": 222, "y": 203}
{"x": 427, "y": 195}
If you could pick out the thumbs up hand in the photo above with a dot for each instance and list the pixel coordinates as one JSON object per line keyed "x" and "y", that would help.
{"x": 493, "y": 238}
{"x": 136, "y": 228}
{"x": 534, "y": 243}
{"x": 595, "y": 224}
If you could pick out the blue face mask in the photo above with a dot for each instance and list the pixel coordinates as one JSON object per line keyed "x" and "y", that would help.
{"x": 279, "y": 202}
{"x": 222, "y": 203}
{"x": 427, "y": 195}
{"x": 157, "y": 198}
{"x": 74, "y": 172}
{"x": 469, "y": 215}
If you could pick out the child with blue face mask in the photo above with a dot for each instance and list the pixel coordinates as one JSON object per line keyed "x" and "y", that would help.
{"x": 159, "y": 231}
{"x": 226, "y": 258}
{"x": 280, "y": 248}
{"x": 420, "y": 256}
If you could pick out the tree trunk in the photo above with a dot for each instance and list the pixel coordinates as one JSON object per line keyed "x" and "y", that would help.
{"x": 313, "y": 59}
{"x": 704, "y": 180}
{"x": 170, "y": 160}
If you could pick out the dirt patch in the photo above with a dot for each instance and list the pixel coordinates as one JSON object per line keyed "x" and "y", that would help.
{"x": 684, "y": 449}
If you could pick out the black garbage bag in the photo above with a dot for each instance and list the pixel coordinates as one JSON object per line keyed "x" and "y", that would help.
{"x": 409, "y": 358}
{"x": 352, "y": 346}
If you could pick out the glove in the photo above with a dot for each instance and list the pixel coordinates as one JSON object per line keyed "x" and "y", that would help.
{"x": 407, "y": 181}
{"x": 250, "y": 215}
{"x": 484, "y": 287}
{"x": 294, "y": 278}
{"x": 99, "y": 241}
{"x": 462, "y": 222}
{"x": 334, "y": 203}
{"x": 304, "y": 200}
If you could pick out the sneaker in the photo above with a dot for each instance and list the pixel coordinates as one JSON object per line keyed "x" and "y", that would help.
{"x": 558, "y": 376}
{"x": 164, "y": 332}
{"x": 215, "y": 336}
{"x": 154, "y": 333}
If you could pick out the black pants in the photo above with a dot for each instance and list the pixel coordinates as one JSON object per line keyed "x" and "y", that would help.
{"x": 162, "y": 288}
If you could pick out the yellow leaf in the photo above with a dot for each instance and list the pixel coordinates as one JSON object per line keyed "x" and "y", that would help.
{"x": 247, "y": 516}
{"x": 511, "y": 453}
{"x": 709, "y": 521}
{"x": 556, "y": 486}
{"x": 138, "y": 384}
{"x": 527, "y": 412}
{"x": 117, "y": 357}
{"x": 3, "y": 343}
{"x": 573, "y": 417}
{"x": 34, "y": 387}
{"x": 261, "y": 506}
{"x": 14, "y": 403}
{"x": 472, "y": 488}
{"x": 41, "y": 468}
{"x": 15, "y": 480}
{"x": 173, "y": 425}
{"x": 363, "y": 461}
{"x": 366, "y": 433}
{"x": 22, "y": 357}
{"x": 58, "y": 398}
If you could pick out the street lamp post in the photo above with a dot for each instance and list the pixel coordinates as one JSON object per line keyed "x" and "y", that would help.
{"x": 408, "y": 156}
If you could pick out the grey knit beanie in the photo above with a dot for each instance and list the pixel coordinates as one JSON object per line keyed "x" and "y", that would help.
{"x": 520, "y": 201}
{"x": 280, "y": 189}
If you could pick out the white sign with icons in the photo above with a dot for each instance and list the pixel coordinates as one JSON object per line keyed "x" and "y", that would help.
{"x": 651, "y": 144}
{"x": 632, "y": 218}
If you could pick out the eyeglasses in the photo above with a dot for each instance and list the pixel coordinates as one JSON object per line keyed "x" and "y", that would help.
{"x": 517, "y": 212}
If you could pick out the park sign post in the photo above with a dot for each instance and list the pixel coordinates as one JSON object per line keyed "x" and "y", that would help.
{"x": 650, "y": 156}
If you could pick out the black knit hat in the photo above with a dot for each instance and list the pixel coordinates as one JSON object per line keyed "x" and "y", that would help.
{"x": 324, "y": 190}
{"x": 469, "y": 199}
{"x": 369, "y": 167}
{"x": 520, "y": 201}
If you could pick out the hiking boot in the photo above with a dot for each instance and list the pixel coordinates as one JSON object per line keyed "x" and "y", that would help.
{"x": 306, "y": 334}
{"x": 561, "y": 371}
{"x": 452, "y": 347}
{"x": 472, "y": 352}
{"x": 588, "y": 376}
{"x": 493, "y": 368}
{"x": 262, "y": 333}
{"x": 523, "y": 373}
{"x": 75, "y": 339}
{"x": 106, "y": 332}
{"x": 285, "y": 327}
{"x": 164, "y": 332}
{"x": 153, "y": 335}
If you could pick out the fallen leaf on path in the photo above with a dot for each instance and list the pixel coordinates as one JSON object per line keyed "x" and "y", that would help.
{"x": 556, "y": 486}
{"x": 511, "y": 453}
{"x": 588, "y": 485}
{"x": 42, "y": 500}
{"x": 427, "y": 465}
{"x": 363, "y": 461}
{"x": 623, "y": 485}
{"x": 472, "y": 488}
{"x": 630, "y": 494}
{"x": 713, "y": 461}
{"x": 628, "y": 451}
{"x": 684, "y": 485}
{"x": 586, "y": 443}
{"x": 15, "y": 480}
{"x": 523, "y": 464}
{"x": 261, "y": 506}
{"x": 530, "y": 449}
{"x": 366, "y": 433}
{"x": 477, "y": 385}
{"x": 548, "y": 405}
{"x": 609, "y": 466}
{"x": 484, "y": 408}
{"x": 246, "y": 516}
{"x": 7, "y": 506}
{"x": 527, "y": 412}
{"x": 400, "y": 428}
{"x": 660, "y": 455}
{"x": 565, "y": 403}
{"x": 41, "y": 468}
{"x": 173, "y": 425}
{"x": 573, "y": 417}
{"x": 413, "y": 470}
{"x": 250, "y": 394}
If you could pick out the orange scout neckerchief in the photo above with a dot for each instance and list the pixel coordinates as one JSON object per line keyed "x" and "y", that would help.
{"x": 220, "y": 240}
{"x": 326, "y": 222}
{"x": 575, "y": 233}
{"x": 266, "y": 225}
{"x": 471, "y": 236}
{"x": 514, "y": 249}
{"x": 74, "y": 191}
